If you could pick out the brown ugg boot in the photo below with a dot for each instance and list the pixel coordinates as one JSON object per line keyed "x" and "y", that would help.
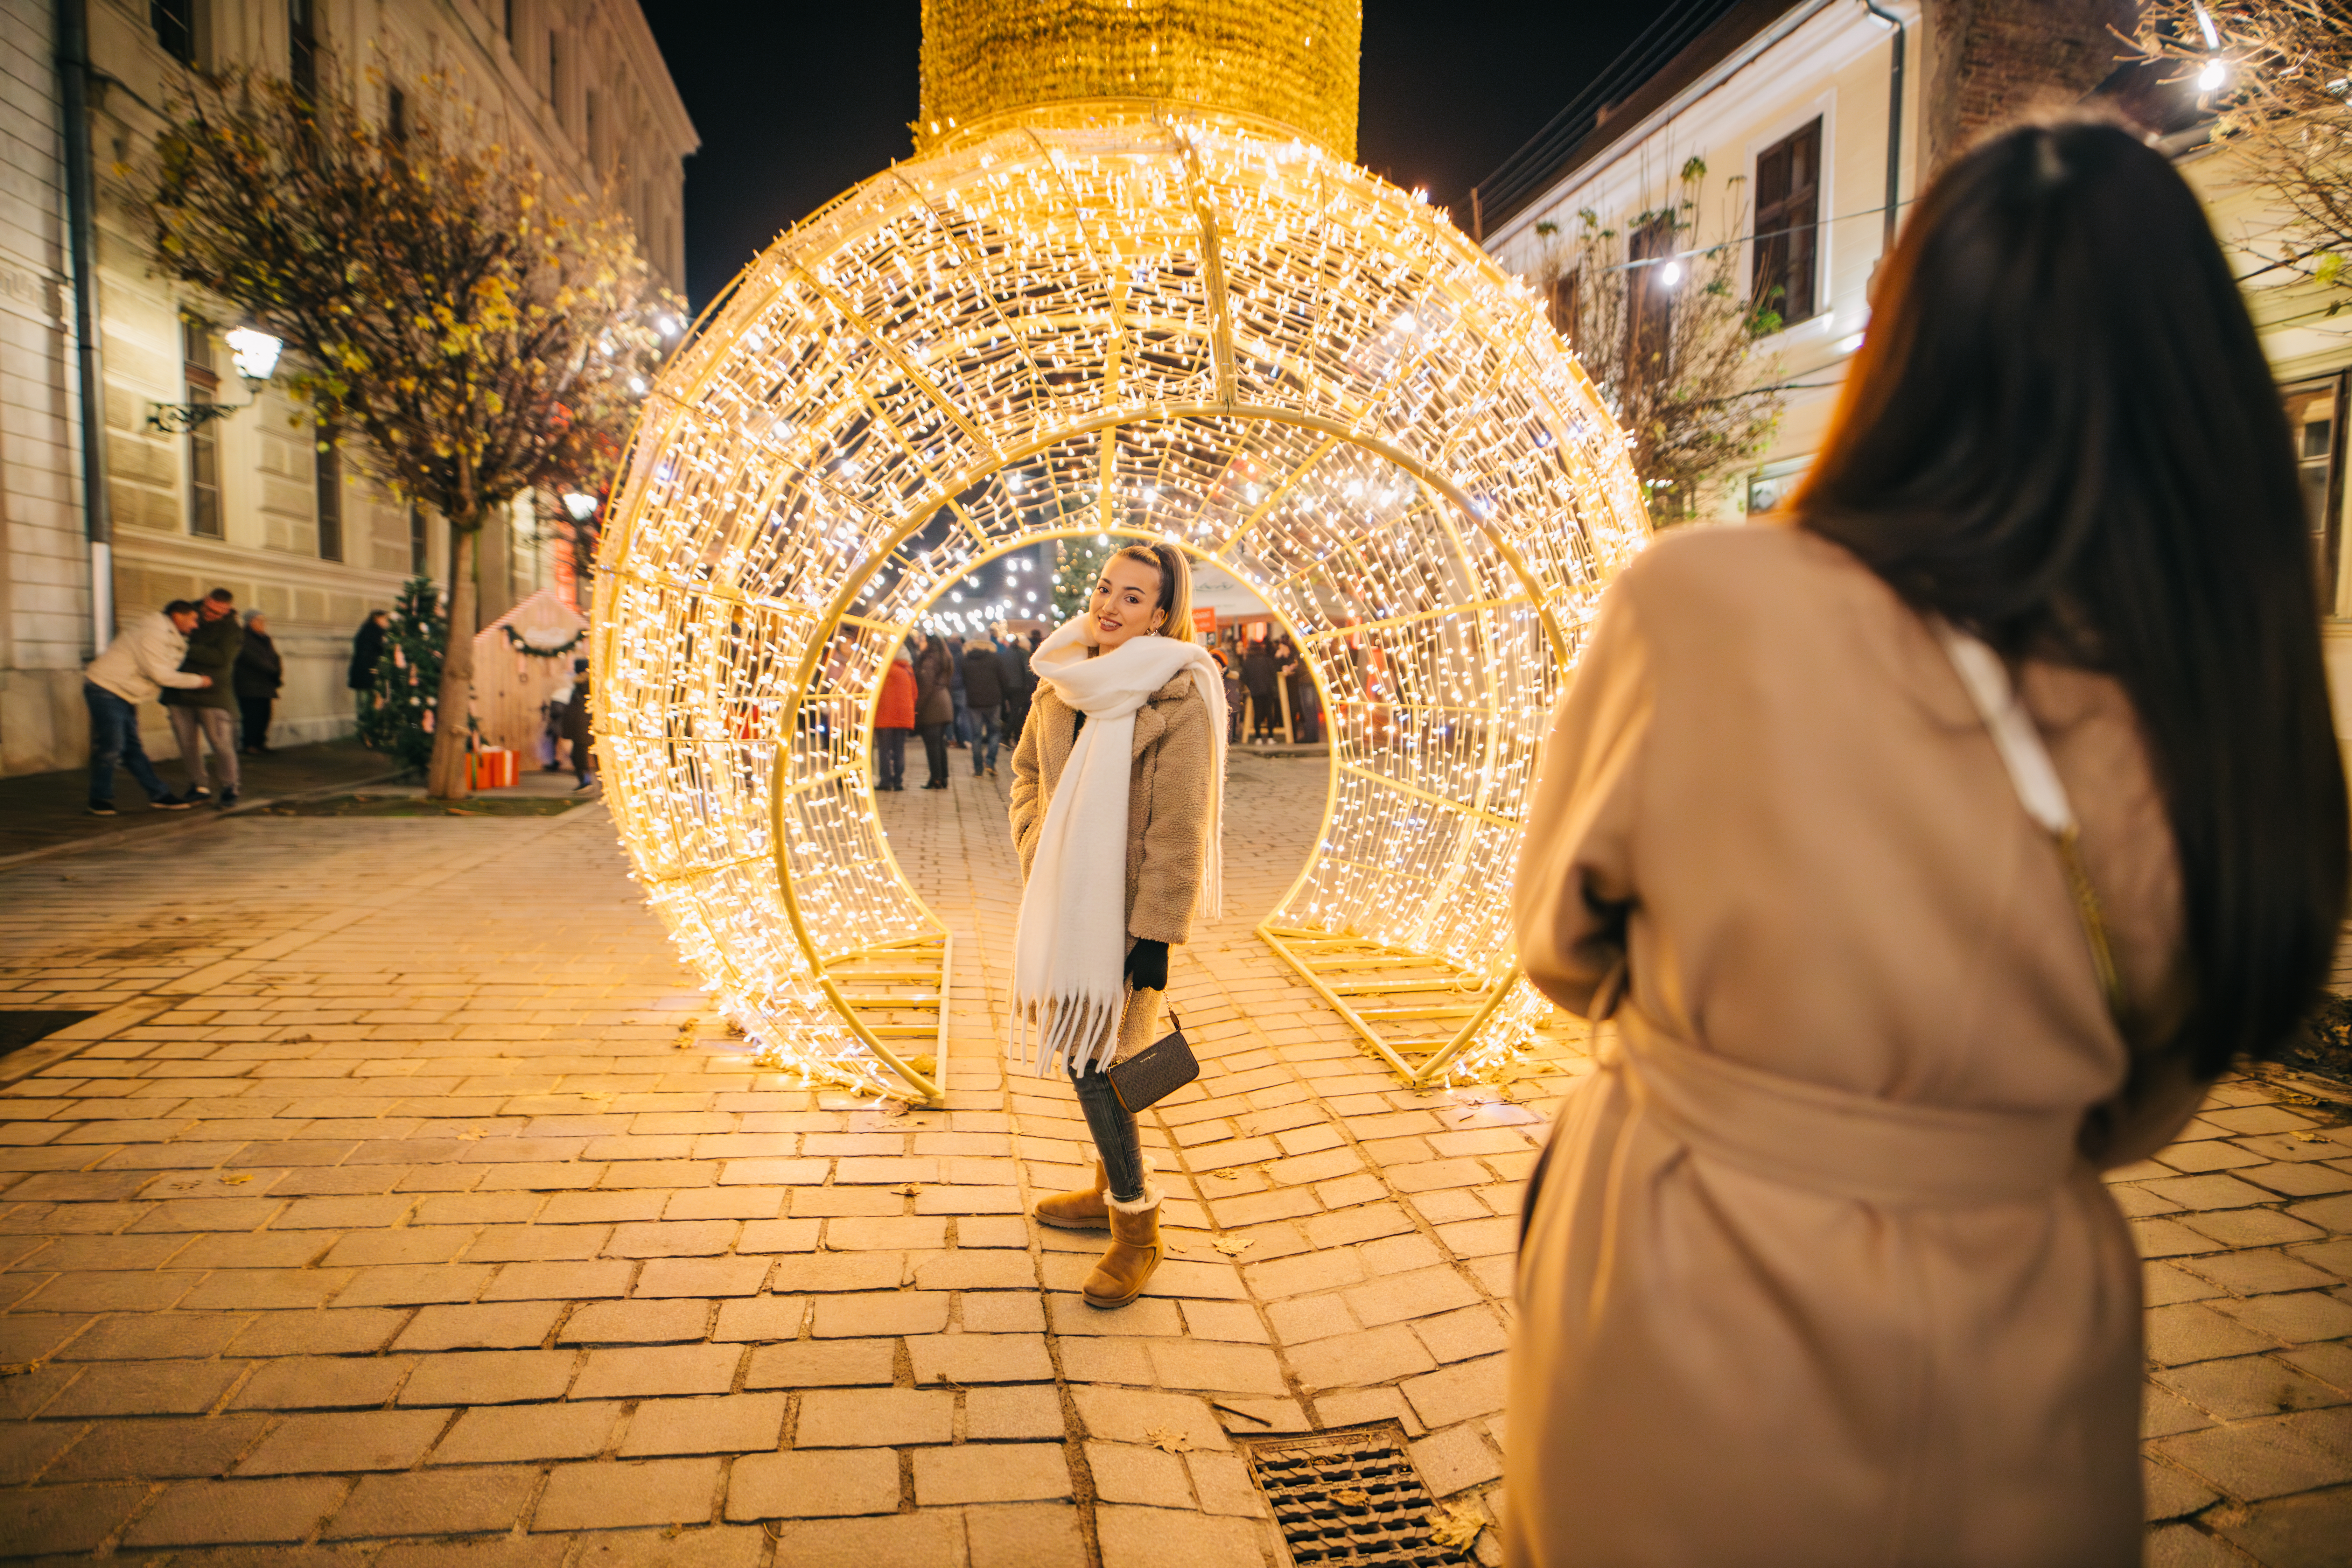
{"x": 1134, "y": 1254}
{"x": 1088, "y": 1210}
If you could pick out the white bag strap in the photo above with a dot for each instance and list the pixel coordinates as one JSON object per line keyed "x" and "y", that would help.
{"x": 2039, "y": 790}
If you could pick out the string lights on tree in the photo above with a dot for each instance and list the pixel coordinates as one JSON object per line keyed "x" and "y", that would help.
{"x": 1080, "y": 315}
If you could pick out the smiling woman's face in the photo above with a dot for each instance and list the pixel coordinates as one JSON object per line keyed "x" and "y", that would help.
{"x": 1125, "y": 603}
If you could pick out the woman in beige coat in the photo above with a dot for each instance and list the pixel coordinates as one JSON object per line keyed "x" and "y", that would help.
{"x": 1818, "y": 1268}
{"x": 1119, "y": 770}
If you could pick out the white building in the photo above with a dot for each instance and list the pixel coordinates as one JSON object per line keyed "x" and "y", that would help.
{"x": 1795, "y": 100}
{"x": 245, "y": 501}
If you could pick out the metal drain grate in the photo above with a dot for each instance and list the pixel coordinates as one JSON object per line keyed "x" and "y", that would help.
{"x": 1348, "y": 1497}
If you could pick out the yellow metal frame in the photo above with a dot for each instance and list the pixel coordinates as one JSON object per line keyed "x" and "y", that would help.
{"x": 1294, "y": 946}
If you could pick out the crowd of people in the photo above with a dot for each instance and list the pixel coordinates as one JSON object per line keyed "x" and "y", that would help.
{"x": 969, "y": 695}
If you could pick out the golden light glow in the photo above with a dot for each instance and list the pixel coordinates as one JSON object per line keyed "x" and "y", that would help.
{"x": 1099, "y": 318}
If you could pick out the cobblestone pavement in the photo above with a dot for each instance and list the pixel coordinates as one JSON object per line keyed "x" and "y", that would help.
{"x": 391, "y": 1215}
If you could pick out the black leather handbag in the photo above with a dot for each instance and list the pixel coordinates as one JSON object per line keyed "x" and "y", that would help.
{"x": 1155, "y": 1072}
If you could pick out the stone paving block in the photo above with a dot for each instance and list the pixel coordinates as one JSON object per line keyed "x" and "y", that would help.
{"x": 1069, "y": 1314}
{"x": 491, "y": 1377}
{"x": 1032, "y": 1412}
{"x": 1221, "y": 1483}
{"x": 702, "y": 1277}
{"x": 64, "y": 1519}
{"x": 559, "y": 1281}
{"x": 115, "y": 1291}
{"x": 1424, "y": 1293}
{"x": 503, "y": 1434}
{"x": 190, "y": 1334}
{"x": 673, "y": 1239}
{"x": 231, "y": 1289}
{"x": 537, "y": 1243}
{"x": 827, "y": 1271}
{"x": 434, "y": 1502}
{"x": 505, "y": 1325}
{"x": 2193, "y": 1331}
{"x": 1457, "y": 1393}
{"x": 153, "y": 1449}
{"x": 1373, "y": 1355}
{"x": 2253, "y": 1460}
{"x": 1455, "y": 1458}
{"x": 991, "y": 1472}
{"x": 1165, "y": 1538}
{"x": 880, "y": 1312}
{"x": 196, "y": 1513}
{"x": 974, "y": 1358}
{"x": 761, "y": 1317}
{"x": 1462, "y": 1334}
{"x": 926, "y": 1539}
{"x": 1130, "y": 1472}
{"x": 966, "y": 1270}
{"x": 1023, "y": 1535}
{"x": 1128, "y": 1415}
{"x": 636, "y": 1322}
{"x": 2293, "y": 1529}
{"x": 609, "y": 1496}
{"x": 1003, "y": 1312}
{"x": 25, "y": 1449}
{"x": 726, "y": 1202}
{"x": 323, "y": 1383}
{"x": 650, "y": 1370}
{"x": 1219, "y": 1368}
{"x": 999, "y": 1231}
{"x": 726, "y": 1424}
{"x": 1233, "y": 1321}
{"x": 413, "y": 1284}
{"x": 147, "y": 1388}
{"x": 2244, "y": 1386}
{"x": 876, "y": 1418}
{"x": 2299, "y": 1317}
{"x": 779, "y": 1235}
{"x": 717, "y": 1547}
{"x": 271, "y": 1249}
{"x": 366, "y": 1440}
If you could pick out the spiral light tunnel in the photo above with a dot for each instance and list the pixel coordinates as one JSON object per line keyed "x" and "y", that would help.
{"x": 1124, "y": 318}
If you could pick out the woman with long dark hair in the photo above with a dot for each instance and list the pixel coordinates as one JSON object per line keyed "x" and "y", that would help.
{"x": 2037, "y": 823}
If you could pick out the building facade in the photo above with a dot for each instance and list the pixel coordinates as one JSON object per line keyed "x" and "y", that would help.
{"x": 252, "y": 501}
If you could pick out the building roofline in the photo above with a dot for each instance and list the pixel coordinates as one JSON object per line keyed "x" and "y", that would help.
{"x": 1524, "y": 186}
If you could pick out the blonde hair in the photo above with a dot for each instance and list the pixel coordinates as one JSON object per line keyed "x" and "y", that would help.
{"x": 1175, "y": 583}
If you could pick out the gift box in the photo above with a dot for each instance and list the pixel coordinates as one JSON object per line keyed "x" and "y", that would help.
{"x": 495, "y": 767}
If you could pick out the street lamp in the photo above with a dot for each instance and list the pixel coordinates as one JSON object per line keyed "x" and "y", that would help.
{"x": 255, "y": 353}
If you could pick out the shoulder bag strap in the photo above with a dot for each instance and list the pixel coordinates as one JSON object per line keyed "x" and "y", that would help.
{"x": 2036, "y": 781}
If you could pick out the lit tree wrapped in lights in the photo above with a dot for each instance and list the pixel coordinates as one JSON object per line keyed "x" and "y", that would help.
{"x": 484, "y": 330}
{"x": 403, "y": 722}
{"x": 1078, "y": 562}
{"x": 1129, "y": 286}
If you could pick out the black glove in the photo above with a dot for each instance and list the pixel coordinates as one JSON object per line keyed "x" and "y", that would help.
{"x": 1146, "y": 964}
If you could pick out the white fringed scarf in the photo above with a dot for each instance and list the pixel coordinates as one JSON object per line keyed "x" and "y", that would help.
{"x": 1069, "y": 953}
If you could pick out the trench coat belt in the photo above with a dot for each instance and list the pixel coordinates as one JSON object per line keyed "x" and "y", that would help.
{"x": 1836, "y": 1143}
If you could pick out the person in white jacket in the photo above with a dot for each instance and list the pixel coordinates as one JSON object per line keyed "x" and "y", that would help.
{"x": 134, "y": 668}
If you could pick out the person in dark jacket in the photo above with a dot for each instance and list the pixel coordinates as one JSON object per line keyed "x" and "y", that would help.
{"x": 958, "y": 706}
{"x": 1018, "y": 680}
{"x": 1262, "y": 675}
{"x": 367, "y": 652}
{"x": 1298, "y": 685}
{"x": 1230, "y": 667}
{"x": 260, "y": 674}
{"x": 894, "y": 715}
{"x": 576, "y": 727}
{"x": 983, "y": 702}
{"x": 934, "y": 710}
{"x": 205, "y": 716}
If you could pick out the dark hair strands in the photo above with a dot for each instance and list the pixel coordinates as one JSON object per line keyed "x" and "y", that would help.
{"x": 2062, "y": 434}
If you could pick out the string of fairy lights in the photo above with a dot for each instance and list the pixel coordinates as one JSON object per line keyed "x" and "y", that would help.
{"x": 1097, "y": 320}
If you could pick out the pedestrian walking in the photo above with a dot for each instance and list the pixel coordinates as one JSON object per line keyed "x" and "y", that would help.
{"x": 1121, "y": 766}
{"x": 259, "y": 675}
{"x": 1995, "y": 891}
{"x": 934, "y": 711}
{"x": 983, "y": 696}
{"x": 1229, "y": 669}
{"x": 959, "y": 707}
{"x": 143, "y": 659}
{"x": 894, "y": 715}
{"x": 1298, "y": 685}
{"x": 1014, "y": 673}
{"x": 204, "y": 718}
{"x": 367, "y": 652}
{"x": 579, "y": 727}
{"x": 1262, "y": 674}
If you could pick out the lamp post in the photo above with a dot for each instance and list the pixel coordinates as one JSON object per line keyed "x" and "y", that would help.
{"x": 256, "y": 354}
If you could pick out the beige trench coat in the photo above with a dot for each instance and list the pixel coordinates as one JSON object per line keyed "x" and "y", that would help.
{"x": 1818, "y": 1269}
{"x": 1167, "y": 818}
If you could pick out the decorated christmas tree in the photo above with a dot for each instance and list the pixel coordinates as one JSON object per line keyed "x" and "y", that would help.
{"x": 409, "y": 676}
{"x": 1076, "y": 564}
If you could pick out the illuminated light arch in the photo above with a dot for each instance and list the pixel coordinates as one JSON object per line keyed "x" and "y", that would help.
{"x": 1123, "y": 317}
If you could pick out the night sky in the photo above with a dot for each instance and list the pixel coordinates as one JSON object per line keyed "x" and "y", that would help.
{"x": 797, "y": 103}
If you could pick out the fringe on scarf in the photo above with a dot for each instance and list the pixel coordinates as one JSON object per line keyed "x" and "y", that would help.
{"x": 1066, "y": 1033}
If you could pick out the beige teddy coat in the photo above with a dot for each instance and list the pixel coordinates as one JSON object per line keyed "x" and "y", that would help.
{"x": 1818, "y": 1270}
{"x": 1167, "y": 818}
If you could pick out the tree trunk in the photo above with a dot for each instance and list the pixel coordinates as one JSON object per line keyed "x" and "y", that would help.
{"x": 450, "y": 777}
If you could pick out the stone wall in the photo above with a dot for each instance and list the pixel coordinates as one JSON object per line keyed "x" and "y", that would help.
{"x": 1991, "y": 62}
